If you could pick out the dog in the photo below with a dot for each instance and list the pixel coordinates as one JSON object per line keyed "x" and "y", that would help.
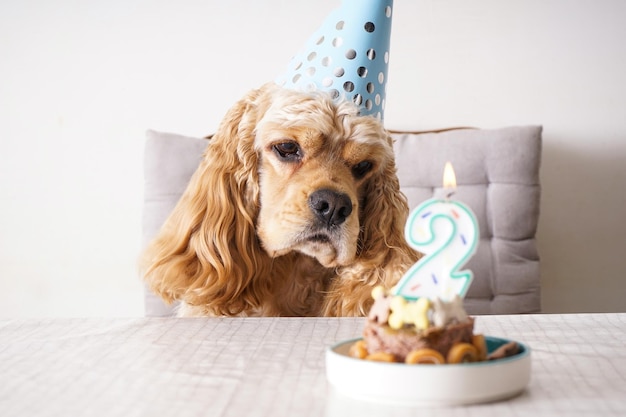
{"x": 294, "y": 210}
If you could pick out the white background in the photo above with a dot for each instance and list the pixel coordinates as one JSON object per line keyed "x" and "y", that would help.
{"x": 81, "y": 80}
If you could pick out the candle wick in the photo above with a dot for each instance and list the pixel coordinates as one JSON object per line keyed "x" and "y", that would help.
{"x": 449, "y": 194}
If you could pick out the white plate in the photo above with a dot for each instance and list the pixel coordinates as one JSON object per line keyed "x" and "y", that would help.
{"x": 429, "y": 385}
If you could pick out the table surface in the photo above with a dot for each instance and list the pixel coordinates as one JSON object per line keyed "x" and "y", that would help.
{"x": 275, "y": 367}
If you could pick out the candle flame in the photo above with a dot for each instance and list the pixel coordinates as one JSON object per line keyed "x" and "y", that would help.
{"x": 449, "y": 179}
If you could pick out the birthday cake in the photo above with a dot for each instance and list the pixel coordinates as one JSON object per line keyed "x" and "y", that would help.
{"x": 422, "y": 332}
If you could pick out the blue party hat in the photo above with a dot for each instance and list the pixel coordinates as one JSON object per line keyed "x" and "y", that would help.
{"x": 348, "y": 56}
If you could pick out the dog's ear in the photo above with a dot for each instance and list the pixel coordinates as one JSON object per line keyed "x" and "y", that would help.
{"x": 383, "y": 254}
{"x": 207, "y": 253}
{"x": 383, "y": 217}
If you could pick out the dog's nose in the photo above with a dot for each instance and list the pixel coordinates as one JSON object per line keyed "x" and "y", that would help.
{"x": 330, "y": 206}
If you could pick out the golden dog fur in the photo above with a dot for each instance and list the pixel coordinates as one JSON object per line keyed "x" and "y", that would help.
{"x": 244, "y": 238}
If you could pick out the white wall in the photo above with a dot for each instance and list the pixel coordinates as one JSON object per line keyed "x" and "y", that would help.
{"x": 80, "y": 81}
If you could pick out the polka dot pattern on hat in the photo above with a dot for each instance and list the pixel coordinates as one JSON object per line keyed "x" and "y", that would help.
{"x": 348, "y": 56}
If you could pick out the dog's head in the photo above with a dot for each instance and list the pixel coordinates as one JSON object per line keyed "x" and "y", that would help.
{"x": 287, "y": 173}
{"x": 317, "y": 160}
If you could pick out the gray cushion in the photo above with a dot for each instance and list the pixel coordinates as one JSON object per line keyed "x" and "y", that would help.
{"x": 169, "y": 162}
{"x": 497, "y": 175}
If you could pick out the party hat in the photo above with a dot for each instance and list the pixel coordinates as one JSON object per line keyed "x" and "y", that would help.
{"x": 348, "y": 56}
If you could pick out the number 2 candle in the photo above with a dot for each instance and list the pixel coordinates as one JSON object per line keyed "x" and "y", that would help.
{"x": 446, "y": 232}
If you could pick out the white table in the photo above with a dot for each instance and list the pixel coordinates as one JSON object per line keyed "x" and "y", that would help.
{"x": 275, "y": 367}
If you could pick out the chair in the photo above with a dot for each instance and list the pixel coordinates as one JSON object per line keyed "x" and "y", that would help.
{"x": 497, "y": 175}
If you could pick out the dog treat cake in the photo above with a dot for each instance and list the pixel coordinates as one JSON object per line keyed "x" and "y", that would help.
{"x": 422, "y": 332}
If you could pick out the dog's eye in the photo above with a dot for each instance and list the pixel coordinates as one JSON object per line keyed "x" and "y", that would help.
{"x": 288, "y": 151}
{"x": 359, "y": 170}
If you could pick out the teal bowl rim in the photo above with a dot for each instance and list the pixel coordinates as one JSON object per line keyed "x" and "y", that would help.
{"x": 492, "y": 342}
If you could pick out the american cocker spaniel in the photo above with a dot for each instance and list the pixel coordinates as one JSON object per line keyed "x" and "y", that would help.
{"x": 295, "y": 210}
